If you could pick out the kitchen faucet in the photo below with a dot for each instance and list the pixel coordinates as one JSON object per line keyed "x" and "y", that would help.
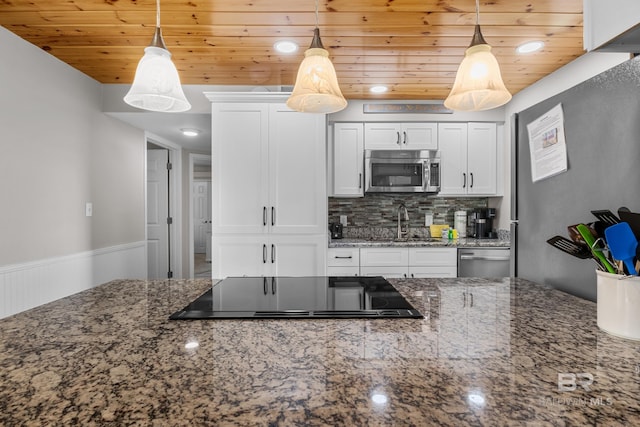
{"x": 403, "y": 232}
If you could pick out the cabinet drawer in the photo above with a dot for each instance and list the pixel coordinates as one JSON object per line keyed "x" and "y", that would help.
{"x": 426, "y": 272}
{"x": 343, "y": 271}
{"x": 343, "y": 257}
{"x": 432, "y": 257}
{"x": 384, "y": 257}
{"x": 386, "y": 272}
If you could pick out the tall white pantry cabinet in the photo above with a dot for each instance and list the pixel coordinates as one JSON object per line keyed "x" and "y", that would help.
{"x": 269, "y": 191}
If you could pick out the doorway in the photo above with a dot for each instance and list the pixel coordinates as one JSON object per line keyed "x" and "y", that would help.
{"x": 163, "y": 213}
{"x": 200, "y": 218}
{"x": 158, "y": 213}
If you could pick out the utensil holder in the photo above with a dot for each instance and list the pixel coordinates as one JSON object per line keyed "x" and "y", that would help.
{"x": 618, "y": 304}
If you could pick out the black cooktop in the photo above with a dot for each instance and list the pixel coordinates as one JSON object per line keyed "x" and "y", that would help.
{"x": 299, "y": 298}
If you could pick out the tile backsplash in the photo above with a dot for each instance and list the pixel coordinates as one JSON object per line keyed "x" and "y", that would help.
{"x": 381, "y": 210}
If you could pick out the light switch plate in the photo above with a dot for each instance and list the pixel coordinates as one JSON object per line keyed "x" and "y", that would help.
{"x": 88, "y": 209}
{"x": 343, "y": 220}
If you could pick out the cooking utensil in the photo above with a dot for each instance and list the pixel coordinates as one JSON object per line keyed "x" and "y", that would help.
{"x": 574, "y": 234}
{"x": 633, "y": 219}
{"x": 572, "y": 248}
{"x": 623, "y": 209}
{"x": 623, "y": 244}
{"x": 606, "y": 216}
{"x": 596, "y": 251}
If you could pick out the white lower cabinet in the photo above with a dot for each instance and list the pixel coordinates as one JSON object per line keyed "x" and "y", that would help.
{"x": 343, "y": 262}
{"x": 273, "y": 255}
{"x": 398, "y": 262}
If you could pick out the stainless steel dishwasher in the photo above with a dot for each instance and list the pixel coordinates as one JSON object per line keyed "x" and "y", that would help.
{"x": 483, "y": 262}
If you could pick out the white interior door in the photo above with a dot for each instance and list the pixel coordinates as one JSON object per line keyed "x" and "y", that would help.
{"x": 201, "y": 215}
{"x": 157, "y": 214}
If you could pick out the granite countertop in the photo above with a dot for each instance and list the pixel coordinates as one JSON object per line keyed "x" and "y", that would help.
{"x": 420, "y": 243}
{"x": 488, "y": 352}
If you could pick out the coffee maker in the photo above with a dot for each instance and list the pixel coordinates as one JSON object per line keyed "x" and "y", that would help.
{"x": 336, "y": 230}
{"x": 482, "y": 223}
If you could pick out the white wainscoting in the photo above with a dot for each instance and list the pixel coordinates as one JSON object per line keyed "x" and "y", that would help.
{"x": 27, "y": 285}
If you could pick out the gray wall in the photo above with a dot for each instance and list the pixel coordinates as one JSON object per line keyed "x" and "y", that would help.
{"x": 57, "y": 152}
{"x": 602, "y": 130}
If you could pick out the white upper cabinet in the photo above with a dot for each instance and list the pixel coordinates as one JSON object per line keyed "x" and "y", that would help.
{"x": 297, "y": 171}
{"x": 468, "y": 159}
{"x": 268, "y": 165}
{"x": 239, "y": 155}
{"x": 482, "y": 159}
{"x": 401, "y": 136}
{"x": 348, "y": 160}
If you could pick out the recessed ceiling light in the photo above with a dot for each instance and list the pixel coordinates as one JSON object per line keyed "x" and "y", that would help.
{"x": 285, "y": 46}
{"x": 529, "y": 47}
{"x": 190, "y": 132}
{"x": 378, "y": 89}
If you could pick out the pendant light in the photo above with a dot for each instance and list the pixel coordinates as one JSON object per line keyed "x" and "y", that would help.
{"x": 316, "y": 89}
{"x": 478, "y": 85}
{"x": 156, "y": 85}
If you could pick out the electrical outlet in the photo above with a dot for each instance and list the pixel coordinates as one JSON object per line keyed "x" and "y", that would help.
{"x": 343, "y": 220}
{"x": 428, "y": 219}
{"x": 88, "y": 209}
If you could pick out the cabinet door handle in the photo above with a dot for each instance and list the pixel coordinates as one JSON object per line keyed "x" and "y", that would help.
{"x": 404, "y": 134}
{"x": 273, "y": 285}
{"x": 412, "y": 275}
{"x": 405, "y": 275}
{"x": 273, "y": 253}
{"x": 398, "y": 139}
{"x": 264, "y": 286}
{"x": 471, "y": 295}
{"x": 264, "y": 216}
{"x": 464, "y": 299}
{"x": 471, "y": 175}
{"x": 343, "y": 257}
{"x": 273, "y": 216}
{"x": 359, "y": 181}
{"x": 464, "y": 180}
{"x": 264, "y": 254}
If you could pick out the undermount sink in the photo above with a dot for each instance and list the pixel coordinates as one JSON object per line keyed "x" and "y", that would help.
{"x": 411, "y": 239}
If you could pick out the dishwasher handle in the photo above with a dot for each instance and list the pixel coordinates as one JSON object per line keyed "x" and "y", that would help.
{"x": 484, "y": 258}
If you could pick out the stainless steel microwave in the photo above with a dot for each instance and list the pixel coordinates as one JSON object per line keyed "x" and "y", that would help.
{"x": 402, "y": 171}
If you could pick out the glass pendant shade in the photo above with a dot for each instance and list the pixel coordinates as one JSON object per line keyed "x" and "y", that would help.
{"x": 316, "y": 89}
{"x": 478, "y": 85}
{"x": 156, "y": 85}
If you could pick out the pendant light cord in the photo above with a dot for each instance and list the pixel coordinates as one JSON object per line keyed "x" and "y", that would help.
{"x": 477, "y": 12}
{"x": 316, "y": 42}
{"x": 158, "y": 13}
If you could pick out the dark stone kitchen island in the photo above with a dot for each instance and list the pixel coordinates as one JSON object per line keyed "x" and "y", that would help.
{"x": 488, "y": 352}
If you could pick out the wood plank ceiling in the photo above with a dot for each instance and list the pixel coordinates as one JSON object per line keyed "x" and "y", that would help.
{"x": 412, "y": 46}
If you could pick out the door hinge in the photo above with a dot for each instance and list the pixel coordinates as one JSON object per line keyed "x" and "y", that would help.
{"x": 169, "y": 166}
{"x": 169, "y": 221}
{"x": 169, "y": 274}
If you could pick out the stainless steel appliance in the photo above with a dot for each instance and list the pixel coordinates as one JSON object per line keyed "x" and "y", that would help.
{"x": 402, "y": 171}
{"x": 484, "y": 262}
{"x": 299, "y": 297}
